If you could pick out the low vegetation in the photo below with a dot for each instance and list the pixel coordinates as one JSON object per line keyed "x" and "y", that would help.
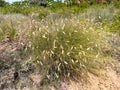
{"x": 63, "y": 43}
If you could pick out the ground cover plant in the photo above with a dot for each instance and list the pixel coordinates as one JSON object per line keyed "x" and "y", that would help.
{"x": 45, "y": 46}
{"x": 69, "y": 51}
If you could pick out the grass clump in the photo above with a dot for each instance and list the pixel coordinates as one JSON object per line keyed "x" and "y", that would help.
{"x": 7, "y": 31}
{"x": 68, "y": 52}
{"x": 116, "y": 24}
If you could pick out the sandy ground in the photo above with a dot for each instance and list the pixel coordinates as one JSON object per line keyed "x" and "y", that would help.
{"x": 110, "y": 81}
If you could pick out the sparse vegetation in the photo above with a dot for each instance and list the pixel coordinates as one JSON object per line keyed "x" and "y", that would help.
{"x": 60, "y": 42}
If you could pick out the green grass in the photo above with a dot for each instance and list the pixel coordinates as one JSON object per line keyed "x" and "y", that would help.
{"x": 7, "y": 31}
{"x": 69, "y": 52}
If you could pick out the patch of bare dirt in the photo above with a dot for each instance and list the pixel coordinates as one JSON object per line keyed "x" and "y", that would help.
{"x": 110, "y": 81}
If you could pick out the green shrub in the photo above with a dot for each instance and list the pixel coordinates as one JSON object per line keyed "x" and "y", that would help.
{"x": 3, "y": 3}
{"x": 116, "y": 23}
{"x": 116, "y": 4}
{"x": 84, "y": 5}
